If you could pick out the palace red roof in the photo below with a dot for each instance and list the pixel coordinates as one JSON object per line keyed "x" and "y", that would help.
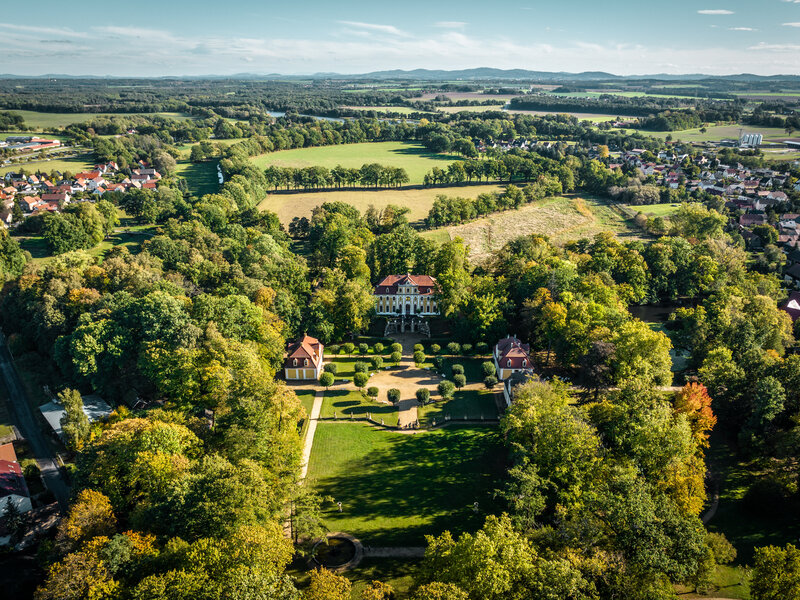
{"x": 390, "y": 283}
{"x": 306, "y": 347}
{"x": 510, "y": 348}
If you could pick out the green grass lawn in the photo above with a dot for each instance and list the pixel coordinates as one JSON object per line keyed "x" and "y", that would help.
{"x": 472, "y": 367}
{"x": 201, "y": 177}
{"x": 414, "y": 158}
{"x": 745, "y": 528}
{"x": 46, "y": 120}
{"x": 465, "y": 403}
{"x": 349, "y": 402}
{"x": 82, "y": 162}
{"x": 306, "y": 398}
{"x": 657, "y": 210}
{"x": 419, "y": 201}
{"x": 396, "y": 488}
{"x": 716, "y": 133}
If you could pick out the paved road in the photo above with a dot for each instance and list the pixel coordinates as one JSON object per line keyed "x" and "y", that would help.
{"x": 25, "y": 420}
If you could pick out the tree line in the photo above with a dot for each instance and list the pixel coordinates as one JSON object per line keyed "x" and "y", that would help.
{"x": 368, "y": 175}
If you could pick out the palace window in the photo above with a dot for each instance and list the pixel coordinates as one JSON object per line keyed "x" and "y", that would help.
{"x": 508, "y": 362}
{"x": 305, "y": 362}
{"x": 294, "y": 362}
{"x": 524, "y": 362}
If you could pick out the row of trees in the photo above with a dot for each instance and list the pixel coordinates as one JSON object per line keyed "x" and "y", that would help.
{"x": 368, "y": 175}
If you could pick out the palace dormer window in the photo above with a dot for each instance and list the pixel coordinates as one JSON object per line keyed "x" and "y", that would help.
{"x": 508, "y": 362}
{"x": 294, "y": 362}
{"x": 305, "y": 362}
{"x": 524, "y": 362}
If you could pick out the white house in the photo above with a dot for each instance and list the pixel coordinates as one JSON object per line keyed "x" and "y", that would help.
{"x": 406, "y": 294}
{"x": 511, "y": 356}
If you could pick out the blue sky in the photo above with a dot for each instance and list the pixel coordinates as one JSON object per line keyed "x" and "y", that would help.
{"x": 180, "y": 37}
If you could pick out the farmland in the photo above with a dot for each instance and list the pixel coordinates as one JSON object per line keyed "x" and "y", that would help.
{"x": 419, "y": 201}
{"x": 76, "y": 164}
{"x": 716, "y": 133}
{"x": 414, "y": 158}
{"x": 561, "y": 219}
{"x": 45, "y": 121}
{"x": 200, "y": 177}
{"x": 406, "y": 110}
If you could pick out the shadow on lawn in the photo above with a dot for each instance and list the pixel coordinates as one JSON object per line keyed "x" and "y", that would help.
{"x": 436, "y": 476}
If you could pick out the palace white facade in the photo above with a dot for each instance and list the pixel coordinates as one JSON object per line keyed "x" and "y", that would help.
{"x": 407, "y": 295}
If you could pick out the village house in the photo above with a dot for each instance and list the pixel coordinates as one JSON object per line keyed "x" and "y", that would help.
{"x": 406, "y": 294}
{"x": 511, "y": 356}
{"x": 304, "y": 359}
{"x": 12, "y": 482}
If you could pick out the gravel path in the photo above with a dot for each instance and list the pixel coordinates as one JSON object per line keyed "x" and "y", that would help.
{"x": 312, "y": 428}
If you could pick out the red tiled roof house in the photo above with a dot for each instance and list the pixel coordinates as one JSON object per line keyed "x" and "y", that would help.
{"x": 12, "y": 483}
{"x": 407, "y": 294}
{"x": 511, "y": 356}
{"x": 304, "y": 359}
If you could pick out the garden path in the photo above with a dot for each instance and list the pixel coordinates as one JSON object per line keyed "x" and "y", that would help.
{"x": 312, "y": 428}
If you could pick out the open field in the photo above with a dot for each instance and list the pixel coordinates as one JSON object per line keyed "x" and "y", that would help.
{"x": 43, "y": 120}
{"x": 405, "y": 110}
{"x": 396, "y": 488}
{"x": 716, "y": 133}
{"x": 562, "y": 219}
{"x": 455, "y": 96}
{"x": 476, "y": 109}
{"x": 656, "y": 210}
{"x": 582, "y": 116}
{"x": 419, "y": 201}
{"x": 414, "y": 158}
{"x": 79, "y": 163}
{"x": 201, "y": 177}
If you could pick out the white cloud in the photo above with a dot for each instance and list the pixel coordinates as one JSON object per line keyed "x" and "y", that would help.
{"x": 390, "y": 29}
{"x": 776, "y": 47}
{"x": 709, "y": 11}
{"x": 45, "y": 30}
{"x": 450, "y": 24}
{"x": 791, "y": 24}
{"x": 742, "y": 29}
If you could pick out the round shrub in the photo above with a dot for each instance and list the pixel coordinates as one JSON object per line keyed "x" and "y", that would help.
{"x": 446, "y": 389}
{"x": 326, "y": 379}
{"x": 460, "y": 381}
{"x": 438, "y": 362}
{"x": 419, "y": 348}
{"x": 724, "y": 552}
{"x": 435, "y": 348}
{"x": 457, "y": 369}
{"x": 363, "y": 348}
{"x": 332, "y": 368}
{"x": 454, "y": 348}
{"x": 487, "y": 367}
{"x": 396, "y": 357}
{"x": 423, "y": 395}
{"x": 396, "y": 347}
{"x": 372, "y": 391}
{"x": 333, "y": 348}
{"x": 378, "y": 348}
{"x": 490, "y": 381}
{"x": 419, "y": 357}
{"x": 360, "y": 379}
{"x": 393, "y": 395}
{"x": 377, "y": 362}
{"x": 466, "y": 348}
{"x": 361, "y": 367}
{"x": 349, "y": 347}
{"x": 482, "y": 348}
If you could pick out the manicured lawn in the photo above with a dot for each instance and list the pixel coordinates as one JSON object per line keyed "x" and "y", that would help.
{"x": 396, "y": 488}
{"x": 414, "y": 158}
{"x": 745, "y": 527}
{"x": 466, "y": 403}
{"x": 346, "y": 364}
{"x": 348, "y": 402}
{"x": 730, "y": 582}
{"x": 419, "y": 201}
{"x": 472, "y": 367}
{"x": 73, "y": 165}
{"x": 201, "y": 177}
{"x": 306, "y": 398}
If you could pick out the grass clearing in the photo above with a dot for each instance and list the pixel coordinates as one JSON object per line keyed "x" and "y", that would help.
{"x": 288, "y": 206}
{"x": 414, "y": 158}
{"x": 656, "y": 210}
{"x": 404, "y": 110}
{"x": 562, "y": 219}
{"x": 476, "y": 109}
{"x": 716, "y": 133}
{"x": 82, "y": 162}
{"x": 396, "y": 488}
{"x": 596, "y": 118}
{"x": 201, "y": 177}
{"x": 45, "y": 120}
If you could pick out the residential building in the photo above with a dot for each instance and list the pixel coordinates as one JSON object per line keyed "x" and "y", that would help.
{"x": 12, "y": 482}
{"x": 511, "y": 356}
{"x": 94, "y": 407}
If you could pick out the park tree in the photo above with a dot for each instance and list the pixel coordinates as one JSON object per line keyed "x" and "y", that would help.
{"x": 326, "y": 585}
{"x": 376, "y": 362}
{"x": 89, "y": 516}
{"x": 393, "y": 395}
{"x": 446, "y": 389}
{"x": 340, "y": 306}
{"x": 776, "y": 573}
{"x": 360, "y": 380}
{"x": 396, "y": 357}
{"x": 459, "y": 381}
{"x": 440, "y": 591}
{"x": 694, "y": 402}
{"x": 74, "y": 423}
{"x": 326, "y": 379}
{"x": 423, "y": 395}
{"x": 378, "y": 590}
{"x": 419, "y": 357}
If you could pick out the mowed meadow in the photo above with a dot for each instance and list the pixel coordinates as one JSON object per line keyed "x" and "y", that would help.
{"x": 418, "y": 201}
{"x": 414, "y": 158}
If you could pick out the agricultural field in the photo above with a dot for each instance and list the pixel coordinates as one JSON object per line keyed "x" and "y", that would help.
{"x": 476, "y": 109}
{"x": 288, "y": 206}
{"x": 396, "y": 488}
{"x": 716, "y": 133}
{"x": 456, "y": 96}
{"x": 414, "y": 158}
{"x": 581, "y": 116}
{"x": 562, "y": 219}
{"x": 406, "y": 110}
{"x": 43, "y": 120}
{"x": 75, "y": 164}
